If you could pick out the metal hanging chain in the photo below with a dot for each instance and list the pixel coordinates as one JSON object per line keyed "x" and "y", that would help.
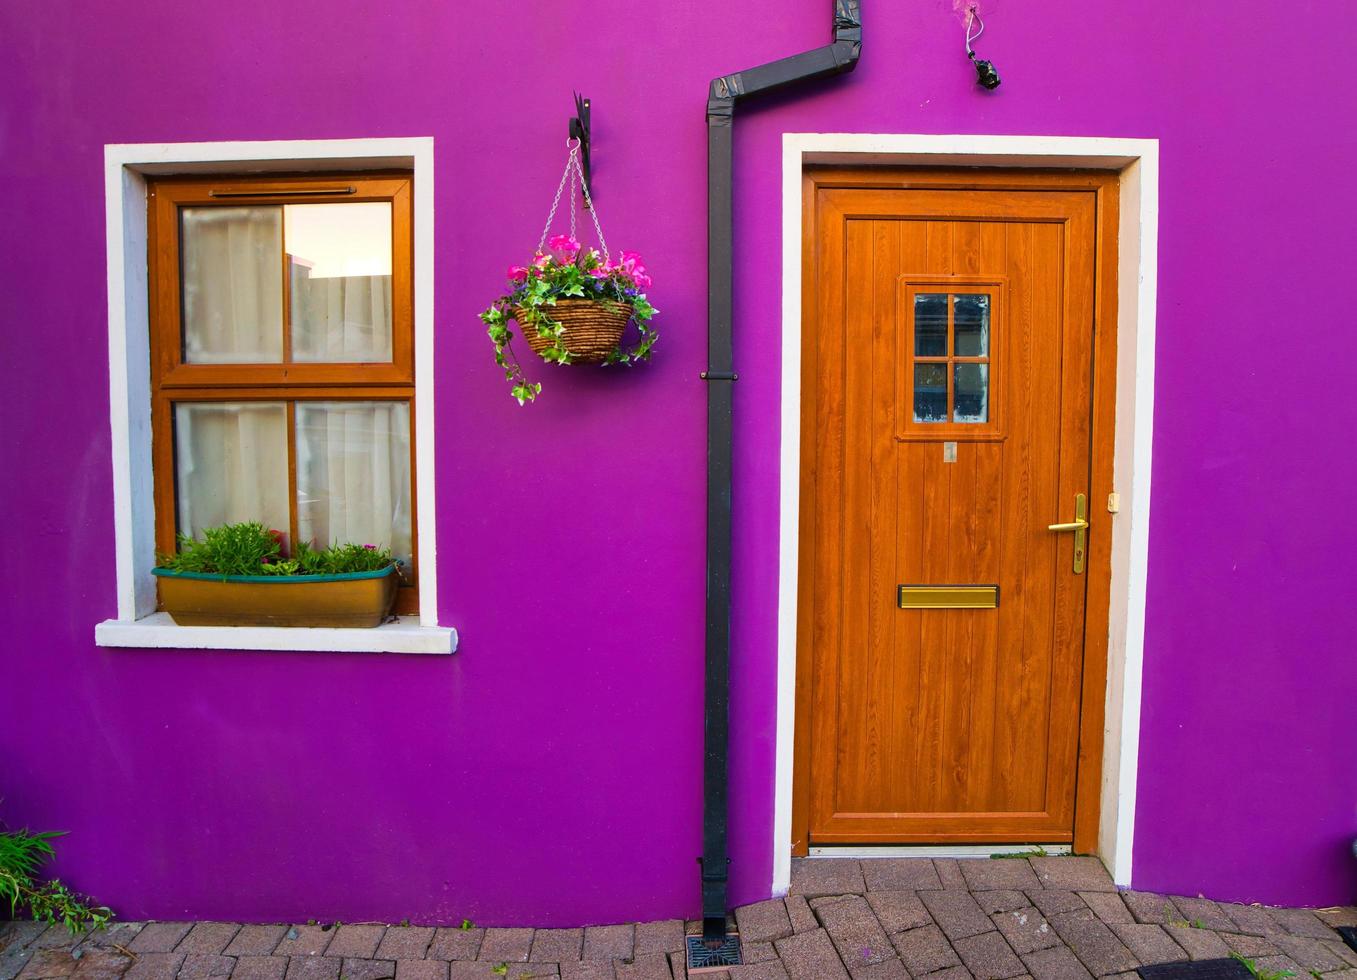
{"x": 575, "y": 175}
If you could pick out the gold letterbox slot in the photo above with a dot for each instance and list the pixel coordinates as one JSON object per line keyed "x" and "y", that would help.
{"x": 949, "y": 596}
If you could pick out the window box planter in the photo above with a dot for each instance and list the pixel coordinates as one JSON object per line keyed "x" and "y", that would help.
{"x": 352, "y": 599}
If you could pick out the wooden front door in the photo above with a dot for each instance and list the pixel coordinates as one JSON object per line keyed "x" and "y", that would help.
{"x": 949, "y": 420}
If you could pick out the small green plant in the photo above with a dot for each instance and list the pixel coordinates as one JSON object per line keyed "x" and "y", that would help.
{"x": 1261, "y": 974}
{"x": 500, "y": 969}
{"x": 21, "y": 855}
{"x": 467, "y": 925}
{"x": 1036, "y": 850}
{"x": 250, "y": 548}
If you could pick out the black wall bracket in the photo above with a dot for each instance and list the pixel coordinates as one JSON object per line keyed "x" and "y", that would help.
{"x": 839, "y": 56}
{"x": 579, "y": 130}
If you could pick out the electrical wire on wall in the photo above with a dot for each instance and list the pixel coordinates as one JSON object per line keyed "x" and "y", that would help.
{"x": 985, "y": 73}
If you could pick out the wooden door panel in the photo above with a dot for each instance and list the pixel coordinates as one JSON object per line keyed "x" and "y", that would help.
{"x": 947, "y": 724}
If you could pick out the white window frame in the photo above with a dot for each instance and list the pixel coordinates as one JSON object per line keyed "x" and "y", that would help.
{"x": 126, "y": 170}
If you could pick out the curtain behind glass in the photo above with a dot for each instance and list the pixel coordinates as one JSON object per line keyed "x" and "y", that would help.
{"x": 353, "y": 475}
{"x": 232, "y": 285}
{"x": 231, "y": 464}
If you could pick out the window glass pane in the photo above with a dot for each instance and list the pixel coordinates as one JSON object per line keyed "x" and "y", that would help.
{"x": 971, "y": 323}
{"x": 353, "y": 474}
{"x": 930, "y": 392}
{"x": 339, "y": 264}
{"x": 232, "y": 285}
{"x": 930, "y": 324}
{"x": 971, "y": 393}
{"x": 230, "y": 464}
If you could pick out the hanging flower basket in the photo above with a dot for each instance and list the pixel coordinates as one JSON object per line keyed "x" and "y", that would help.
{"x": 572, "y": 302}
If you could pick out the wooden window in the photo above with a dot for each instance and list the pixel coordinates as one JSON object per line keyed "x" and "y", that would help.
{"x": 282, "y": 359}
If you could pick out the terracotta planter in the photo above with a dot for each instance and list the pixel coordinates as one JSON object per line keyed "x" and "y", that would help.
{"x": 593, "y": 328}
{"x": 352, "y": 599}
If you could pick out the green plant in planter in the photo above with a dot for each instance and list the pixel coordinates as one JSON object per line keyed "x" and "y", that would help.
{"x": 21, "y": 855}
{"x": 566, "y": 271}
{"x": 250, "y": 548}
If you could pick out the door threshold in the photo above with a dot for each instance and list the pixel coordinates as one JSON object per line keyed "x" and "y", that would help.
{"x": 937, "y": 850}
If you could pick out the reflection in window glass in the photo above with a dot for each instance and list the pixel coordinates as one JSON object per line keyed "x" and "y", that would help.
{"x": 930, "y": 392}
{"x": 971, "y": 393}
{"x": 930, "y": 325}
{"x": 971, "y": 325}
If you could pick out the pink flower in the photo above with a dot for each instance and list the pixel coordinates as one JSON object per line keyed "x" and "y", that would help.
{"x": 564, "y": 244}
{"x": 629, "y": 261}
{"x": 541, "y": 261}
{"x": 370, "y": 547}
{"x": 517, "y": 273}
{"x": 642, "y": 280}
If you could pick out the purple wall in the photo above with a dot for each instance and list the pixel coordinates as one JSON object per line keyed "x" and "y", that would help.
{"x": 550, "y": 771}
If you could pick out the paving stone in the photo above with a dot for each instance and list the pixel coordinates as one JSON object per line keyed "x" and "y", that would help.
{"x": 255, "y": 941}
{"x": 304, "y": 941}
{"x": 455, "y": 944}
{"x": 159, "y": 937}
{"x": 556, "y": 945}
{"x": 1000, "y": 900}
{"x": 763, "y": 922}
{"x": 1278, "y": 965}
{"x": 1149, "y": 907}
{"x": 857, "y": 935}
{"x": 1148, "y": 943}
{"x": 1254, "y": 919}
{"x": 57, "y": 937}
{"x": 483, "y": 970}
{"x": 313, "y": 967}
{"x": 532, "y": 971}
{"x": 14, "y": 935}
{"x": 1250, "y": 946}
{"x": 772, "y": 970}
{"x": 1108, "y": 906}
{"x": 1093, "y": 942}
{"x": 990, "y": 873}
{"x": 586, "y": 970}
{"x": 900, "y": 874}
{"x": 810, "y": 956}
{"x": 154, "y": 966}
{"x": 925, "y": 950}
{"x": 118, "y": 934}
{"x": 1313, "y": 954}
{"x": 800, "y": 915}
{"x": 949, "y": 872}
{"x": 422, "y": 970}
{"x": 611, "y": 942}
{"x": 951, "y": 973}
{"x": 199, "y": 966}
{"x": 1338, "y": 915}
{"x": 49, "y": 963}
{"x": 208, "y": 937}
{"x": 1199, "y": 944}
{"x": 826, "y": 876}
{"x": 956, "y": 912}
{"x": 665, "y": 936}
{"x": 356, "y": 969}
{"x": 1056, "y": 901}
{"x": 13, "y": 960}
{"x": 1081, "y": 874}
{"x": 1026, "y": 930}
{"x": 821, "y": 901}
{"x": 357, "y": 941}
{"x": 404, "y": 943}
{"x": 651, "y": 966}
{"x": 1056, "y": 963}
{"x": 989, "y": 957}
{"x": 1203, "y": 913}
{"x": 756, "y": 952}
{"x": 1302, "y": 922}
{"x": 506, "y": 946}
{"x": 898, "y": 911}
{"x": 890, "y": 969}
{"x": 105, "y": 964}
{"x": 259, "y": 967}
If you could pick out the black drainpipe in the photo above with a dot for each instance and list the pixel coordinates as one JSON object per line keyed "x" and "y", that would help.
{"x": 726, "y": 91}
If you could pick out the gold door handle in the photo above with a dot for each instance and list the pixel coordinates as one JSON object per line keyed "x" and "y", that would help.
{"x": 1079, "y": 525}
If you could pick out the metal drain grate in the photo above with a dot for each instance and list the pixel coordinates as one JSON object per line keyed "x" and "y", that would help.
{"x": 708, "y": 959}
{"x": 1230, "y": 969}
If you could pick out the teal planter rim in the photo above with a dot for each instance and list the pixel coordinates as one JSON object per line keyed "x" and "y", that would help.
{"x": 273, "y": 579}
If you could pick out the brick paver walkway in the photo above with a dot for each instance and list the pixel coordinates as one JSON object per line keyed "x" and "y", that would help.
{"x": 1056, "y": 918}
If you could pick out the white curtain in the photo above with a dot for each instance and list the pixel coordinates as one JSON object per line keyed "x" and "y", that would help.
{"x": 233, "y": 285}
{"x": 340, "y": 318}
{"x": 231, "y": 462}
{"x": 353, "y": 474}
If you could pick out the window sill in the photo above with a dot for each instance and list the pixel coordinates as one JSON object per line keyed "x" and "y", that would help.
{"x": 159, "y": 631}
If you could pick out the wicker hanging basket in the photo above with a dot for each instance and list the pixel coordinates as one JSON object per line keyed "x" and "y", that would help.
{"x": 592, "y": 328}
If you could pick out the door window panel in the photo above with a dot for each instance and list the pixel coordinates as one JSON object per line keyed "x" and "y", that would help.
{"x": 951, "y": 355}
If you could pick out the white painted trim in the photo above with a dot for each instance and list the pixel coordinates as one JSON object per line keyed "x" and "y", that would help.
{"x": 940, "y": 851}
{"x": 1137, "y": 160}
{"x": 126, "y": 167}
{"x": 158, "y": 631}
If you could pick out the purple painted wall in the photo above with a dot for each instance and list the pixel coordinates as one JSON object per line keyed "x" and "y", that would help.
{"x": 550, "y": 772}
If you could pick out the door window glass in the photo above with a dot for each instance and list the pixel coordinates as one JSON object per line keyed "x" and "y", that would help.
{"x": 951, "y": 353}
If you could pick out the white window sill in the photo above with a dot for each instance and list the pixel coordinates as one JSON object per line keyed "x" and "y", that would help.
{"x": 158, "y": 630}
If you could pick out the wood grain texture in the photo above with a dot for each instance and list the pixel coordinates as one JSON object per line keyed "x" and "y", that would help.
{"x": 934, "y": 725}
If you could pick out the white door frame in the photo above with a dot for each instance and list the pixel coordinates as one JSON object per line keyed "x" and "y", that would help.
{"x": 1137, "y": 161}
